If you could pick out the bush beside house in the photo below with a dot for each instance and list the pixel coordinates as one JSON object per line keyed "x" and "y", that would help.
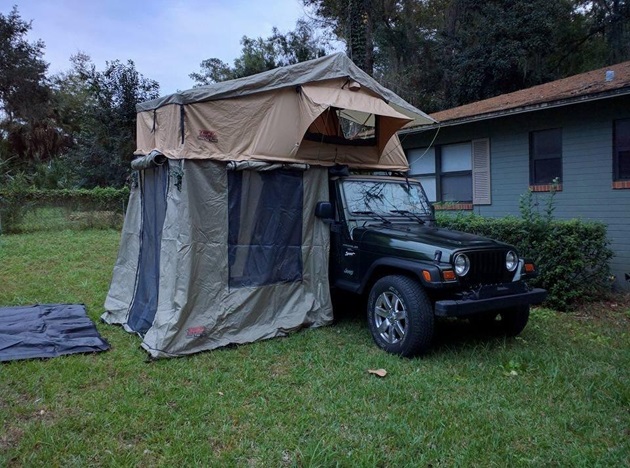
{"x": 572, "y": 256}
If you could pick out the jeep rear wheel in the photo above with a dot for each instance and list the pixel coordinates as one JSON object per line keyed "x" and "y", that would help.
{"x": 400, "y": 316}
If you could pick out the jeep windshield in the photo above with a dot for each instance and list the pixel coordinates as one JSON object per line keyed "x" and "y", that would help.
{"x": 386, "y": 200}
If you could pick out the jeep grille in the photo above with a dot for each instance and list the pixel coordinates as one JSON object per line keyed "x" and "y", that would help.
{"x": 487, "y": 267}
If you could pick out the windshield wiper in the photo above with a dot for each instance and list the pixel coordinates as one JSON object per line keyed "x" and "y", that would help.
{"x": 409, "y": 214}
{"x": 374, "y": 215}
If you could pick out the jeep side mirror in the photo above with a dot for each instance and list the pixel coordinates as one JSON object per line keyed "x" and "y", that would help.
{"x": 324, "y": 211}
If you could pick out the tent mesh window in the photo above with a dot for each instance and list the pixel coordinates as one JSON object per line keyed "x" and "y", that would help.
{"x": 154, "y": 187}
{"x": 265, "y": 227}
{"x": 335, "y": 126}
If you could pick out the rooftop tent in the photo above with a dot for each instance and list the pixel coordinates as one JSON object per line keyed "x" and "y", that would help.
{"x": 220, "y": 243}
{"x": 266, "y": 117}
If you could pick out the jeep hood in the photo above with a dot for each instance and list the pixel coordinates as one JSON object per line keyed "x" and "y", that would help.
{"x": 419, "y": 239}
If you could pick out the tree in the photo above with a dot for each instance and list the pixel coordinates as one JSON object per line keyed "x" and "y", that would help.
{"x": 393, "y": 40}
{"x": 23, "y": 90}
{"x": 98, "y": 108}
{"x": 408, "y": 52}
{"x": 75, "y": 128}
{"x": 212, "y": 70}
{"x": 29, "y": 134}
{"x": 354, "y": 22}
{"x": 605, "y": 35}
{"x": 396, "y": 41}
{"x": 443, "y": 53}
{"x": 499, "y": 46}
{"x": 260, "y": 54}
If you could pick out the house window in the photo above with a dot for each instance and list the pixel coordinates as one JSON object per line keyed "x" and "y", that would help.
{"x": 444, "y": 171}
{"x": 621, "y": 150}
{"x": 545, "y": 157}
{"x": 422, "y": 168}
{"x": 456, "y": 173}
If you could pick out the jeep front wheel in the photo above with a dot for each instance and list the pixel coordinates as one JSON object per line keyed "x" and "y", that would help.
{"x": 400, "y": 316}
{"x": 513, "y": 320}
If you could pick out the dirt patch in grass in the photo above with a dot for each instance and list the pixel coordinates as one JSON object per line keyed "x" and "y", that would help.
{"x": 13, "y": 432}
{"x": 615, "y": 308}
{"x": 11, "y": 438}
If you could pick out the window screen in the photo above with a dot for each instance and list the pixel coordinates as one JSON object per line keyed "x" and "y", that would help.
{"x": 421, "y": 160}
{"x": 422, "y": 167}
{"x": 456, "y": 158}
{"x": 622, "y": 150}
{"x": 265, "y": 227}
{"x": 445, "y": 171}
{"x": 456, "y": 179}
{"x": 545, "y": 150}
{"x": 456, "y": 188}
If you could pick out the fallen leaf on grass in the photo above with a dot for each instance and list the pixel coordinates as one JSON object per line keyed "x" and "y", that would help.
{"x": 378, "y": 372}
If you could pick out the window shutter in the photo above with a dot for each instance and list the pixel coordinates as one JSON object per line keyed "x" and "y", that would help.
{"x": 481, "y": 172}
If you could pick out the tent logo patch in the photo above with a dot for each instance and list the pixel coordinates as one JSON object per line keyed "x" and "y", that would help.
{"x": 196, "y": 332}
{"x": 208, "y": 135}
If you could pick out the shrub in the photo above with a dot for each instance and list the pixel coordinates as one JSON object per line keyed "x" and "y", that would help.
{"x": 99, "y": 207}
{"x": 571, "y": 256}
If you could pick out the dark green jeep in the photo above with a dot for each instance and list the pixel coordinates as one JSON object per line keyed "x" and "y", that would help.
{"x": 385, "y": 244}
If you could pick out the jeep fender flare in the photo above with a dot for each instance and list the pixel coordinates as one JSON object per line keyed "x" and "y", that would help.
{"x": 389, "y": 265}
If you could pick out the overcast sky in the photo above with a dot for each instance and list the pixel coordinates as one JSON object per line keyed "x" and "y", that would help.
{"x": 167, "y": 39}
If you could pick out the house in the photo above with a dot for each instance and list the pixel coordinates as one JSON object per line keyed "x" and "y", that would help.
{"x": 570, "y": 135}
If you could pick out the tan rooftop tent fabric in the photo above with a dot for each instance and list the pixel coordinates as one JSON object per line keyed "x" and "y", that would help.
{"x": 220, "y": 243}
{"x": 270, "y": 126}
{"x": 265, "y": 117}
{"x": 335, "y": 66}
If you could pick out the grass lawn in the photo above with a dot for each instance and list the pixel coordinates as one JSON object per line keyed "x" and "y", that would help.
{"x": 557, "y": 395}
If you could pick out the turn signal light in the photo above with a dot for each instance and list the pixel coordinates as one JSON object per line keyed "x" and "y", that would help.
{"x": 449, "y": 275}
{"x": 426, "y": 275}
{"x": 529, "y": 268}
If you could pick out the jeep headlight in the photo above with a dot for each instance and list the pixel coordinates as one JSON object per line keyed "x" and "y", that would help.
{"x": 461, "y": 264}
{"x": 511, "y": 260}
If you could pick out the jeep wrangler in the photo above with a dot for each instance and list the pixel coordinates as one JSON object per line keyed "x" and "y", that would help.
{"x": 385, "y": 245}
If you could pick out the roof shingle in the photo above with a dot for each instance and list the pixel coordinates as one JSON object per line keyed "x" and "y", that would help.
{"x": 584, "y": 86}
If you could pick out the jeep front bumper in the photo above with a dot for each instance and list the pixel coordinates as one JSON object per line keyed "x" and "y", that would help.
{"x": 489, "y": 300}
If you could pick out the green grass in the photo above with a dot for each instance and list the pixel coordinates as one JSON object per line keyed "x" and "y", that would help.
{"x": 558, "y": 395}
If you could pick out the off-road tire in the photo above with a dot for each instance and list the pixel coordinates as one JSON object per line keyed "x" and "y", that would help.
{"x": 485, "y": 321}
{"x": 400, "y": 316}
{"x": 514, "y": 320}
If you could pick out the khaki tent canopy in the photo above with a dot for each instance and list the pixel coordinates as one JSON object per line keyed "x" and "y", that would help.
{"x": 290, "y": 114}
{"x": 220, "y": 243}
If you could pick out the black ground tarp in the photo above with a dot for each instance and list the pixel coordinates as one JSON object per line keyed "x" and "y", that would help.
{"x": 47, "y": 330}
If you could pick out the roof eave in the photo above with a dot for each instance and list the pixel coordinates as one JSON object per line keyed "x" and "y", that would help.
{"x": 519, "y": 110}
